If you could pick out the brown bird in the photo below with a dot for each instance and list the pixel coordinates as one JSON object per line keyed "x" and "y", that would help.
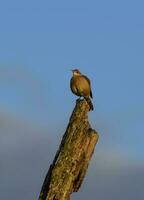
{"x": 80, "y": 85}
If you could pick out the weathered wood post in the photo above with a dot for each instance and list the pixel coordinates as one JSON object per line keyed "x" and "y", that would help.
{"x": 69, "y": 166}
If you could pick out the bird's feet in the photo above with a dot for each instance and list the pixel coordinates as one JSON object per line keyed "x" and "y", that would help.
{"x": 80, "y": 99}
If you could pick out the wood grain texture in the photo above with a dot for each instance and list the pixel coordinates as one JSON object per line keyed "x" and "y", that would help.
{"x": 71, "y": 161}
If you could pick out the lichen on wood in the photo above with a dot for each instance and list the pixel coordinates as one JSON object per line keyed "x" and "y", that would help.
{"x": 66, "y": 173}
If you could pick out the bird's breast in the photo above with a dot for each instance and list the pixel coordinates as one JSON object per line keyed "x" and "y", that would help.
{"x": 80, "y": 86}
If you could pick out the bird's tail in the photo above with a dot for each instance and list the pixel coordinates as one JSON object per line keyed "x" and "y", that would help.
{"x": 88, "y": 100}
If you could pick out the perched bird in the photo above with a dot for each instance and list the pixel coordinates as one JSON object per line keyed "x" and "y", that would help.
{"x": 80, "y": 85}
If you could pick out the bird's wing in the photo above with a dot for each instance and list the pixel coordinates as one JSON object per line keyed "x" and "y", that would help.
{"x": 87, "y": 79}
{"x": 91, "y": 95}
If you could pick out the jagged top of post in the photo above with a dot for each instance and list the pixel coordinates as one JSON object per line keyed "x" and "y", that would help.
{"x": 81, "y": 109}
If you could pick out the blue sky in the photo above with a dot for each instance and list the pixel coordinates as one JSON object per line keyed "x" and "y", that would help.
{"x": 40, "y": 42}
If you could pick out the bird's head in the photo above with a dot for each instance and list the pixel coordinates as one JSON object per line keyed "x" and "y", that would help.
{"x": 76, "y": 72}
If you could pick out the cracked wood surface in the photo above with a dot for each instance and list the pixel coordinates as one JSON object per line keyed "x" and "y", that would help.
{"x": 66, "y": 173}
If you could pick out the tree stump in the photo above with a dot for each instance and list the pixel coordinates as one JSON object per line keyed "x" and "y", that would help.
{"x": 66, "y": 173}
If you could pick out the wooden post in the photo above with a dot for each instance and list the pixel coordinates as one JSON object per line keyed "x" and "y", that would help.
{"x": 69, "y": 166}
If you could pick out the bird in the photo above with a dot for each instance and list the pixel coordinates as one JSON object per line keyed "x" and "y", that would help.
{"x": 81, "y": 86}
